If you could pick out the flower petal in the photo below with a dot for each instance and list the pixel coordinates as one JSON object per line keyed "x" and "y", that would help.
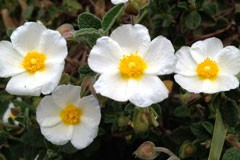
{"x": 48, "y": 112}
{"x": 27, "y": 37}
{"x": 112, "y": 86}
{"x": 229, "y": 60}
{"x": 132, "y": 39}
{"x": 185, "y": 63}
{"x": 37, "y": 83}
{"x": 83, "y": 134}
{"x": 91, "y": 110}
{"x": 10, "y": 60}
{"x": 53, "y": 45}
{"x": 150, "y": 89}
{"x": 105, "y": 56}
{"x": 66, "y": 94}
{"x": 7, "y": 113}
{"x": 206, "y": 48}
{"x": 194, "y": 84}
{"x": 59, "y": 134}
{"x": 86, "y": 131}
{"x": 160, "y": 57}
{"x": 118, "y": 1}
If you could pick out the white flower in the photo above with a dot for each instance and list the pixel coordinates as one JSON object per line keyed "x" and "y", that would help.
{"x": 8, "y": 114}
{"x": 34, "y": 59}
{"x": 64, "y": 116}
{"x": 129, "y": 64}
{"x": 119, "y": 1}
{"x": 207, "y": 67}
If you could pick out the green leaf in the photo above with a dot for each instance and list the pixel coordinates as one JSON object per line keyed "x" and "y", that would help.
{"x": 231, "y": 154}
{"x": 208, "y": 127}
{"x": 28, "y": 12}
{"x": 200, "y": 131}
{"x": 219, "y": 135}
{"x": 33, "y": 138}
{"x": 210, "y": 8}
{"x": 193, "y": 20}
{"x": 230, "y": 112}
{"x": 68, "y": 148}
{"x": 183, "y": 5}
{"x": 88, "y": 32}
{"x": 84, "y": 71}
{"x": 111, "y": 16}
{"x": 88, "y": 36}
{"x": 182, "y": 112}
{"x": 88, "y": 20}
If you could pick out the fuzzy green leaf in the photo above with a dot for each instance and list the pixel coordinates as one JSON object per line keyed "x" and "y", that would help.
{"x": 88, "y": 20}
{"x": 111, "y": 16}
{"x": 231, "y": 154}
{"x": 193, "y": 20}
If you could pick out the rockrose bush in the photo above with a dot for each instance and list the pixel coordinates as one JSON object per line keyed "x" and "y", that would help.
{"x": 119, "y": 80}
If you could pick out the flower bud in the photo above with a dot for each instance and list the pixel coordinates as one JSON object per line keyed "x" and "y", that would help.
{"x": 67, "y": 31}
{"x": 132, "y": 8}
{"x": 146, "y": 151}
{"x": 142, "y": 3}
{"x": 140, "y": 121}
{"x": 187, "y": 149}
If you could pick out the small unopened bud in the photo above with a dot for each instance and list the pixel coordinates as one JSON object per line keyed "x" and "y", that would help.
{"x": 132, "y": 8}
{"x": 187, "y": 149}
{"x": 67, "y": 31}
{"x": 142, "y": 3}
{"x": 140, "y": 121}
{"x": 146, "y": 151}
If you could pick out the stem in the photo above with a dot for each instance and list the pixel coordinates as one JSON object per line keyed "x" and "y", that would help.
{"x": 7, "y": 125}
{"x": 167, "y": 151}
{"x": 219, "y": 134}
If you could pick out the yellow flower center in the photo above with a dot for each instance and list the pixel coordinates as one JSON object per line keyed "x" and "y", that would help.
{"x": 34, "y": 61}
{"x": 132, "y": 66}
{"x": 71, "y": 114}
{"x": 208, "y": 69}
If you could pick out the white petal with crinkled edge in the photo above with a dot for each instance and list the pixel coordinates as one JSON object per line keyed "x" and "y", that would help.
{"x": 160, "y": 57}
{"x": 53, "y": 45}
{"x": 195, "y": 85}
{"x": 66, "y": 94}
{"x": 228, "y": 60}
{"x": 146, "y": 91}
{"x": 132, "y": 39}
{"x": 207, "y": 48}
{"x": 91, "y": 110}
{"x": 105, "y": 56}
{"x": 83, "y": 134}
{"x": 118, "y": 1}
{"x": 185, "y": 65}
{"x": 59, "y": 134}
{"x": 112, "y": 86}
{"x": 37, "y": 83}
{"x": 48, "y": 112}
{"x": 10, "y": 60}
{"x": 27, "y": 37}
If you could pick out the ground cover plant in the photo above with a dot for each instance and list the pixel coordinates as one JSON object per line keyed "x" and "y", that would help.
{"x": 119, "y": 79}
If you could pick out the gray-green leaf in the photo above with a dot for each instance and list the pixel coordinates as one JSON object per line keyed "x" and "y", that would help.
{"x": 88, "y": 20}
{"x": 193, "y": 20}
{"x": 111, "y": 16}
